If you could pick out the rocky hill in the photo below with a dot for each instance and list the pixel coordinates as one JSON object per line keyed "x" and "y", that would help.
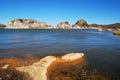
{"x": 81, "y": 23}
{"x": 26, "y": 24}
{"x": 64, "y": 25}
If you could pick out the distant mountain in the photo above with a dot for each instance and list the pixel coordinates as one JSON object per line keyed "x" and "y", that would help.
{"x": 116, "y": 25}
{"x": 113, "y": 26}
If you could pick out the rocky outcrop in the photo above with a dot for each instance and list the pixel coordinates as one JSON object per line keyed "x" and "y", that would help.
{"x": 64, "y": 25}
{"x": 72, "y": 56}
{"x": 26, "y": 24}
{"x": 38, "y": 70}
{"x": 81, "y": 23}
{"x": 75, "y": 26}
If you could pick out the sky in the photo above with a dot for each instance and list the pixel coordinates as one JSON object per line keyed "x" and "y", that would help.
{"x": 55, "y": 11}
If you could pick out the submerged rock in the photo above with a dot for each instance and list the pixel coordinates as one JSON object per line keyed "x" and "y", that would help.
{"x": 38, "y": 70}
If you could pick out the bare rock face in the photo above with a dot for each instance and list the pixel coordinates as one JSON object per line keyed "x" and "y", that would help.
{"x": 38, "y": 70}
{"x": 75, "y": 26}
{"x": 82, "y": 23}
{"x": 26, "y": 24}
{"x": 64, "y": 25}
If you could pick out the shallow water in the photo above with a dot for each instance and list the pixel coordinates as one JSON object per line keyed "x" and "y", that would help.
{"x": 102, "y": 49}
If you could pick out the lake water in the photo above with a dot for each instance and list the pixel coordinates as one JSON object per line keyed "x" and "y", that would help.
{"x": 101, "y": 49}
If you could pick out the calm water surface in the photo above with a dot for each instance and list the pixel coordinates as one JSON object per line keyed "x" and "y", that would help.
{"x": 102, "y": 49}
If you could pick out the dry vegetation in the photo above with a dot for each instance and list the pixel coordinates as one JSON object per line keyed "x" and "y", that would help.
{"x": 59, "y": 71}
{"x": 16, "y": 62}
{"x": 78, "y": 71}
{"x": 7, "y": 74}
{"x": 10, "y": 72}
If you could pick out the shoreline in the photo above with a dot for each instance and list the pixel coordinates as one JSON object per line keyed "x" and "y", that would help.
{"x": 39, "y": 69}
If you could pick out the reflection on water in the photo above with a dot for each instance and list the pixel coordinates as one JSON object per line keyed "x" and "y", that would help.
{"x": 102, "y": 49}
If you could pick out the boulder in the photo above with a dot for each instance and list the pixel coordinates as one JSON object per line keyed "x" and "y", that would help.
{"x": 72, "y": 56}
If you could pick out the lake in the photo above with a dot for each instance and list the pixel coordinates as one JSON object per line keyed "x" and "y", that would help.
{"x": 101, "y": 49}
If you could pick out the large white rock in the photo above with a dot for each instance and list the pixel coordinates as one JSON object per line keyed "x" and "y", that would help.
{"x": 72, "y": 56}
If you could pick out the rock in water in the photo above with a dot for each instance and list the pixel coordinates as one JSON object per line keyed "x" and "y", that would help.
{"x": 72, "y": 56}
{"x": 38, "y": 70}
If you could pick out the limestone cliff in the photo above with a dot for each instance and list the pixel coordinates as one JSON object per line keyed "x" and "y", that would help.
{"x": 26, "y": 24}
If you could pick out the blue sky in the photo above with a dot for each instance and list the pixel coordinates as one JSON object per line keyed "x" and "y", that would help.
{"x": 55, "y": 11}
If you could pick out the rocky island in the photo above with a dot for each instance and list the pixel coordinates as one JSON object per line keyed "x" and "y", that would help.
{"x": 80, "y": 24}
{"x": 34, "y": 24}
{"x": 26, "y": 24}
